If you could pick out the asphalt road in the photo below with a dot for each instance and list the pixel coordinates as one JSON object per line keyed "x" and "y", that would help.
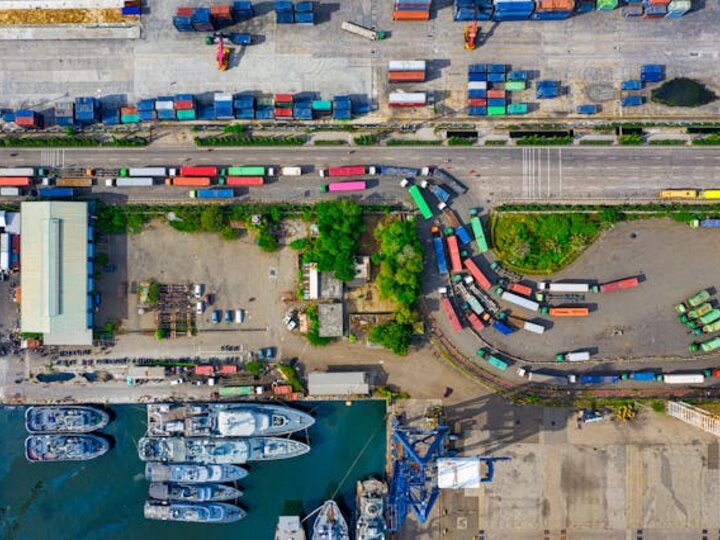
{"x": 493, "y": 174}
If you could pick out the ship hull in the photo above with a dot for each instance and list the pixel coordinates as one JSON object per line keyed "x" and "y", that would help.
{"x": 215, "y": 512}
{"x": 49, "y": 448}
{"x": 330, "y": 523}
{"x": 193, "y": 492}
{"x": 65, "y": 419}
{"x": 192, "y": 473}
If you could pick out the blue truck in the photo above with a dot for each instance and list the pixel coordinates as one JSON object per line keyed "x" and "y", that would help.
{"x": 440, "y": 254}
{"x": 592, "y": 378}
{"x": 463, "y": 235}
{"x": 448, "y": 180}
{"x": 439, "y": 192}
{"x": 224, "y": 193}
{"x": 632, "y": 101}
{"x": 399, "y": 171}
{"x": 643, "y": 376}
{"x": 503, "y": 328}
{"x": 631, "y": 85}
{"x": 56, "y": 192}
{"x": 587, "y": 109}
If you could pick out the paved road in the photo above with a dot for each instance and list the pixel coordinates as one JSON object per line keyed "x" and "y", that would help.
{"x": 493, "y": 174}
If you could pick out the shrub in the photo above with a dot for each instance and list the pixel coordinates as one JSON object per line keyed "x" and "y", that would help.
{"x": 461, "y": 141}
{"x": 535, "y": 140}
{"x": 365, "y": 140}
{"x": 631, "y": 139}
{"x": 412, "y": 142}
{"x": 253, "y": 368}
{"x": 393, "y": 336}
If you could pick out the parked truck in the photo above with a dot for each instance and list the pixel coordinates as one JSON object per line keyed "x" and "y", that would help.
{"x": 617, "y": 285}
{"x": 290, "y": 171}
{"x": 694, "y": 301}
{"x": 710, "y": 317}
{"x": 10, "y": 192}
{"x": 244, "y": 181}
{"x": 564, "y": 287}
{"x": 523, "y": 323}
{"x": 445, "y": 178}
{"x": 454, "y": 250}
{"x": 493, "y": 360}
{"x": 15, "y": 181}
{"x": 706, "y": 346}
{"x": 251, "y": 170}
{"x": 74, "y": 182}
{"x": 353, "y": 185}
{"x": 696, "y": 313}
{"x": 367, "y": 33}
{"x": 562, "y": 311}
{"x": 517, "y": 299}
{"x": 708, "y": 329}
{"x": 705, "y": 224}
{"x": 577, "y": 356}
{"x": 417, "y": 198}
{"x": 159, "y": 172}
{"x": 479, "y": 234}
{"x": 222, "y": 193}
{"x": 439, "y": 192}
{"x": 440, "y": 258}
{"x": 350, "y": 170}
{"x": 388, "y": 170}
{"x": 451, "y": 314}
{"x": 21, "y": 171}
{"x": 56, "y": 192}
{"x": 477, "y": 274}
{"x": 197, "y": 171}
{"x": 135, "y": 181}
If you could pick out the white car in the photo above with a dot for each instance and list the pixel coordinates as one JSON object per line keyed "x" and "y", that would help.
{"x": 175, "y": 382}
{"x": 199, "y": 290}
{"x": 200, "y": 308}
{"x": 239, "y": 316}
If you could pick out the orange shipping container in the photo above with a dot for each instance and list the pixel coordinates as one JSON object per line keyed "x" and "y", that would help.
{"x": 521, "y": 289}
{"x": 411, "y": 15}
{"x": 569, "y": 312}
{"x": 198, "y": 181}
{"x": 496, "y": 94}
{"x": 204, "y": 370}
{"x": 14, "y": 181}
{"x": 228, "y": 369}
{"x": 556, "y": 5}
{"x": 282, "y": 389}
{"x": 406, "y": 76}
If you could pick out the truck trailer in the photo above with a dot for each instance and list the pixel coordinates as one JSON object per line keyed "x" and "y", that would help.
{"x": 350, "y": 170}
{"x": 222, "y": 193}
{"x": 354, "y": 185}
{"x": 577, "y": 356}
{"x": 517, "y": 299}
{"x": 159, "y": 172}
{"x": 126, "y": 181}
{"x": 563, "y": 287}
{"x": 358, "y": 30}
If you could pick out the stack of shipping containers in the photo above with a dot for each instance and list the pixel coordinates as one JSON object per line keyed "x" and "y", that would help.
{"x": 513, "y": 10}
{"x": 322, "y": 107}
{"x": 473, "y": 10}
{"x": 553, "y": 10}
{"x": 302, "y": 109}
{"x": 131, "y": 8}
{"x": 305, "y": 13}
{"x": 242, "y": 11}
{"x": 477, "y": 90}
{"x": 284, "y": 106}
{"x": 411, "y": 10}
{"x": 265, "y": 108}
{"x": 221, "y": 16}
{"x": 342, "y": 108}
{"x": 244, "y": 107}
{"x": 182, "y": 21}
{"x": 284, "y": 13}
{"x": 65, "y": 113}
{"x": 185, "y": 107}
{"x": 165, "y": 108}
{"x": 406, "y": 71}
{"x": 146, "y": 110}
{"x": 129, "y": 115}
{"x": 547, "y": 89}
{"x": 223, "y": 105}
{"x": 87, "y": 110}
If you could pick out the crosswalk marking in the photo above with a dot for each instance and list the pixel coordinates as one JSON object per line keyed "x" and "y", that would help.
{"x": 52, "y": 157}
{"x": 541, "y": 175}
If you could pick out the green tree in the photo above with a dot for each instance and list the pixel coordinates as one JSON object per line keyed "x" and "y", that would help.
{"x": 401, "y": 261}
{"x": 212, "y": 219}
{"x": 160, "y": 334}
{"x": 153, "y": 293}
{"x": 228, "y": 233}
{"x": 254, "y": 368}
{"x": 393, "y": 336}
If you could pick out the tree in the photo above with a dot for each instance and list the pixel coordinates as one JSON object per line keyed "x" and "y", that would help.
{"x": 253, "y": 368}
{"x": 212, "y": 219}
{"x": 153, "y": 293}
{"x": 393, "y": 336}
{"x": 401, "y": 261}
{"x": 228, "y": 233}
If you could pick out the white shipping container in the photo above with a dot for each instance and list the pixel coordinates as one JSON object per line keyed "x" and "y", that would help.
{"x": 136, "y": 181}
{"x": 579, "y": 356}
{"x": 359, "y": 30}
{"x": 10, "y": 192}
{"x": 17, "y": 171}
{"x": 5, "y": 243}
{"x": 684, "y": 378}
{"x": 408, "y": 98}
{"x": 477, "y": 85}
{"x": 564, "y": 287}
{"x": 222, "y": 96}
{"x": 546, "y": 378}
{"x": 406, "y": 65}
{"x": 148, "y": 171}
{"x": 164, "y": 105}
{"x": 291, "y": 171}
{"x": 533, "y": 327}
{"x": 520, "y": 300}
{"x": 4, "y": 260}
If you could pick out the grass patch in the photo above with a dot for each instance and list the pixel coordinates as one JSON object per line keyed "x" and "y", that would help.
{"x": 365, "y": 140}
{"x": 412, "y": 142}
{"x": 596, "y": 142}
{"x": 461, "y": 141}
{"x": 329, "y": 142}
{"x": 496, "y": 142}
{"x": 534, "y": 140}
{"x": 291, "y": 376}
{"x": 631, "y": 139}
{"x": 710, "y": 140}
{"x": 70, "y": 142}
{"x": 667, "y": 142}
{"x": 683, "y": 92}
{"x": 238, "y": 140}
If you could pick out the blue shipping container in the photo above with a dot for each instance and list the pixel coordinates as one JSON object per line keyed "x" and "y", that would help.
{"x": 631, "y": 85}
{"x": 440, "y": 255}
{"x": 477, "y": 77}
{"x": 476, "y": 94}
{"x": 477, "y": 111}
{"x": 503, "y": 328}
{"x": 463, "y": 235}
{"x": 644, "y": 376}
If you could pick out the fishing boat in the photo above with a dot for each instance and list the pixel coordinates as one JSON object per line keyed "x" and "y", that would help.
{"x": 371, "y": 503}
{"x": 224, "y": 420}
{"x": 230, "y": 450}
{"x": 47, "y": 448}
{"x": 164, "y": 491}
{"x": 330, "y": 523}
{"x": 192, "y": 473}
{"x": 208, "y": 512}
{"x": 65, "y": 419}
{"x": 289, "y": 528}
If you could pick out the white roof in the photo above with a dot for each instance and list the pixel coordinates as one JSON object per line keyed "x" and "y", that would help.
{"x": 241, "y": 424}
{"x": 459, "y": 473}
{"x": 338, "y": 384}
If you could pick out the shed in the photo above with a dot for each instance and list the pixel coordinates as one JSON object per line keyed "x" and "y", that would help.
{"x": 343, "y": 383}
{"x": 330, "y": 319}
{"x": 330, "y": 286}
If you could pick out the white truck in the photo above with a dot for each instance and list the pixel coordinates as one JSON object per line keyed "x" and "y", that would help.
{"x": 10, "y": 192}
{"x": 126, "y": 181}
{"x": 577, "y": 356}
{"x": 517, "y": 299}
{"x": 160, "y": 172}
{"x": 564, "y": 287}
{"x": 367, "y": 33}
{"x": 291, "y": 171}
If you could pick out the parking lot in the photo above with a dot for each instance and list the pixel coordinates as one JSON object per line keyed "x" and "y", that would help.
{"x": 589, "y": 54}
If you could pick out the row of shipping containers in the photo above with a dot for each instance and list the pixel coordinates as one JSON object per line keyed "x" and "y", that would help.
{"x": 287, "y": 12}
{"x": 554, "y": 10}
{"x": 490, "y": 87}
{"x": 9, "y": 252}
{"x": 215, "y": 17}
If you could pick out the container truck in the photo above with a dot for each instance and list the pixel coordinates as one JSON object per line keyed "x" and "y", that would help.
{"x": 711, "y": 194}
{"x": 198, "y": 171}
{"x": 188, "y": 181}
{"x": 565, "y": 311}
{"x": 354, "y": 185}
{"x": 684, "y": 378}
{"x": 10, "y": 192}
{"x": 450, "y": 218}
{"x": 563, "y": 287}
{"x": 446, "y": 179}
{"x": 520, "y": 289}
{"x": 291, "y": 171}
{"x": 544, "y": 378}
{"x": 706, "y": 346}
{"x": 135, "y": 181}
{"x": 463, "y": 235}
{"x": 494, "y": 361}
{"x": 451, "y": 314}
{"x": 74, "y": 182}
{"x": 20, "y": 171}
{"x": 679, "y": 194}
{"x": 387, "y": 170}
{"x": 708, "y": 329}
{"x": 454, "y": 250}
{"x": 418, "y": 199}
{"x": 56, "y": 193}
{"x": 246, "y": 181}
{"x": 440, "y": 254}
{"x": 617, "y": 285}
{"x": 694, "y": 301}
{"x": 503, "y": 328}
{"x": 479, "y": 234}
{"x": 577, "y": 356}
{"x": 475, "y": 322}
{"x": 439, "y": 192}
{"x": 248, "y": 171}
{"x": 517, "y": 299}
{"x": 350, "y": 170}
{"x": 705, "y": 224}
{"x": 474, "y": 304}
{"x": 367, "y": 33}
{"x": 593, "y": 378}
{"x": 477, "y": 274}
{"x": 222, "y": 193}
{"x": 15, "y": 181}
{"x": 523, "y": 323}
{"x": 145, "y": 171}
{"x": 696, "y": 313}
{"x": 710, "y": 317}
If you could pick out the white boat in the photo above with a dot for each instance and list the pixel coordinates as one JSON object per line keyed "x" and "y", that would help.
{"x": 330, "y": 523}
{"x": 289, "y": 528}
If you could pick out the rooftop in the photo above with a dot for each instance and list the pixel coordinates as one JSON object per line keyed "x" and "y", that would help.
{"x": 330, "y": 317}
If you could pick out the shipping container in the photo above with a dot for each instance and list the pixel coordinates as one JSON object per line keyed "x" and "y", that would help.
{"x": 406, "y": 65}
{"x": 145, "y": 171}
{"x": 135, "y": 181}
{"x": 503, "y": 328}
{"x": 643, "y": 376}
{"x": 592, "y": 378}
{"x": 440, "y": 259}
{"x": 479, "y": 234}
{"x": 705, "y": 224}
{"x": 567, "y": 311}
{"x": 518, "y": 288}
{"x": 10, "y": 192}
{"x": 367, "y": 33}
{"x": 474, "y": 321}
{"x": 587, "y": 109}
{"x": 620, "y": 284}
{"x": 199, "y": 171}
{"x": 463, "y": 235}
{"x": 56, "y": 193}
{"x": 517, "y": 299}
{"x": 222, "y": 193}
{"x": 74, "y": 182}
{"x": 545, "y": 378}
{"x": 451, "y": 314}
{"x": 17, "y": 171}
{"x": 684, "y": 378}
{"x": 291, "y": 171}
{"x": 420, "y": 202}
{"x": 246, "y": 181}
{"x": 407, "y": 99}
{"x": 353, "y": 185}
{"x": 563, "y": 287}
{"x": 246, "y": 171}
{"x": 351, "y": 170}
{"x": 679, "y": 194}
{"x": 711, "y": 194}
{"x": 477, "y": 274}
{"x": 406, "y": 76}
{"x": 454, "y": 250}
{"x": 577, "y": 356}
{"x": 15, "y": 181}
{"x": 188, "y": 181}
{"x": 494, "y": 361}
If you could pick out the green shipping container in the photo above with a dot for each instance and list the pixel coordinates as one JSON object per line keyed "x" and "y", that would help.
{"x": 606, "y": 5}
{"x": 515, "y": 86}
{"x": 130, "y": 119}
{"x": 266, "y": 102}
{"x": 187, "y": 114}
{"x": 322, "y": 105}
{"x": 246, "y": 171}
{"x": 226, "y": 391}
{"x": 496, "y": 111}
{"x": 517, "y": 108}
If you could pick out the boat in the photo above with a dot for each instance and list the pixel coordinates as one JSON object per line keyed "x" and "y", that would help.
{"x": 330, "y": 523}
{"x": 371, "y": 504}
{"x": 44, "y": 448}
{"x": 208, "y": 512}
{"x": 224, "y": 420}
{"x": 289, "y": 528}
{"x": 193, "y": 492}
{"x": 192, "y": 473}
{"x": 65, "y": 419}
{"x": 230, "y": 450}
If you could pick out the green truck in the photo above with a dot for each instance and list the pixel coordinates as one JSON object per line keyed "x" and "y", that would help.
{"x": 696, "y": 313}
{"x": 710, "y": 317}
{"x": 706, "y": 346}
{"x": 708, "y": 329}
{"x": 694, "y": 301}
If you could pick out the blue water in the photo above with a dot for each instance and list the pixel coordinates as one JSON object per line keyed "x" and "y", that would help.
{"x": 103, "y": 498}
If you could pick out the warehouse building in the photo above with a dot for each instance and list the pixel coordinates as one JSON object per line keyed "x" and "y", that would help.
{"x": 56, "y": 250}
{"x": 344, "y": 383}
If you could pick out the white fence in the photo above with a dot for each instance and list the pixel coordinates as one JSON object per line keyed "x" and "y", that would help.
{"x": 694, "y": 416}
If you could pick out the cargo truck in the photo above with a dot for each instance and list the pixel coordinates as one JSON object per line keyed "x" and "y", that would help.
{"x": 246, "y": 181}
{"x": 706, "y": 346}
{"x": 135, "y": 181}
{"x": 291, "y": 171}
{"x": 475, "y": 322}
{"x": 160, "y": 172}
{"x": 694, "y": 301}
{"x": 593, "y": 378}
{"x": 684, "y": 378}
{"x": 15, "y": 181}
{"x": 351, "y": 170}
{"x": 439, "y": 192}
{"x": 710, "y": 317}
{"x": 565, "y": 311}
{"x": 577, "y": 356}
{"x": 563, "y": 287}
{"x": 21, "y": 171}
{"x": 705, "y": 224}
{"x": 367, "y": 33}
{"x": 518, "y": 288}
{"x": 517, "y": 299}
{"x": 451, "y": 314}
{"x": 445, "y": 178}
{"x": 417, "y": 198}
{"x": 198, "y": 171}
{"x": 454, "y": 250}
{"x": 439, "y": 252}
{"x": 355, "y": 185}
{"x": 463, "y": 235}
{"x": 627, "y": 283}
{"x": 386, "y": 170}
{"x": 188, "y": 181}
{"x": 56, "y": 193}
{"x": 479, "y": 234}
{"x": 545, "y": 378}
{"x": 494, "y": 361}
{"x": 696, "y": 313}
{"x": 253, "y": 170}
{"x": 708, "y": 329}
{"x": 10, "y": 192}
{"x": 523, "y": 323}
{"x": 74, "y": 182}
{"x": 474, "y": 304}
{"x": 477, "y": 274}
{"x": 222, "y": 193}
{"x": 503, "y": 328}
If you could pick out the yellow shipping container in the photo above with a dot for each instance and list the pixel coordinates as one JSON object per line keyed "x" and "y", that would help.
{"x": 679, "y": 194}
{"x": 711, "y": 194}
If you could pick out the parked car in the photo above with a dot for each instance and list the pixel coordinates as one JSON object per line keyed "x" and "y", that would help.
{"x": 199, "y": 290}
{"x": 269, "y": 353}
{"x": 175, "y": 382}
{"x": 239, "y": 316}
{"x": 200, "y": 308}
{"x": 229, "y": 315}
{"x": 216, "y": 316}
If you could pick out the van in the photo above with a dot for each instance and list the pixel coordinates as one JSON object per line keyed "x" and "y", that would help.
{"x": 239, "y": 316}
{"x": 199, "y": 289}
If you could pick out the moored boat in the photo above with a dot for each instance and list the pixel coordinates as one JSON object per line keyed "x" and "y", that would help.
{"x": 191, "y": 473}
{"x": 209, "y": 512}
{"x": 48, "y": 448}
{"x": 330, "y": 523}
{"x": 229, "y": 450}
{"x": 193, "y": 492}
{"x": 225, "y": 420}
{"x": 289, "y": 528}
{"x": 371, "y": 503}
{"x": 65, "y": 419}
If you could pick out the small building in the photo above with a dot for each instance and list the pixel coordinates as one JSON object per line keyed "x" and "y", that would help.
{"x": 362, "y": 272}
{"x": 342, "y": 383}
{"x": 331, "y": 288}
{"x": 330, "y": 319}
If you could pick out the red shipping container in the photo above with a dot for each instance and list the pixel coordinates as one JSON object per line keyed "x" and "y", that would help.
{"x": 716, "y": 373}
{"x": 659, "y": 2}
{"x": 477, "y": 274}
{"x": 521, "y": 289}
{"x": 406, "y": 76}
{"x": 228, "y": 369}
{"x": 244, "y": 181}
{"x": 220, "y": 10}
{"x": 198, "y": 171}
{"x": 184, "y": 105}
{"x": 128, "y": 110}
{"x": 24, "y": 121}
{"x": 283, "y": 98}
{"x": 15, "y": 243}
{"x": 189, "y": 181}
{"x": 185, "y": 11}
{"x": 474, "y": 321}
{"x": 450, "y": 314}
{"x": 477, "y": 102}
{"x": 628, "y": 283}
{"x": 14, "y": 181}
{"x": 204, "y": 370}
{"x": 283, "y": 113}
{"x": 423, "y": 15}
{"x": 282, "y": 389}
{"x": 496, "y": 94}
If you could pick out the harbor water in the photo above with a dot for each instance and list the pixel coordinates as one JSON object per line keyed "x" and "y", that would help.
{"x": 103, "y": 498}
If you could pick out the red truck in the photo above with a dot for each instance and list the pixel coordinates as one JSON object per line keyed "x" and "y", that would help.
{"x": 454, "y": 249}
{"x": 188, "y": 181}
{"x": 477, "y": 274}
{"x": 620, "y": 284}
{"x": 14, "y": 181}
{"x": 521, "y": 289}
{"x": 474, "y": 321}
{"x": 198, "y": 171}
{"x": 451, "y": 314}
{"x": 350, "y": 170}
{"x": 249, "y": 181}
